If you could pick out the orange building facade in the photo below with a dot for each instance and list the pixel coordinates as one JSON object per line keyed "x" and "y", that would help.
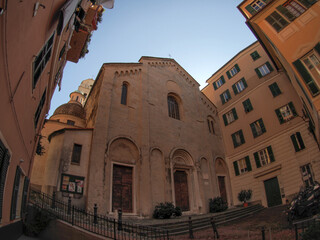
{"x": 290, "y": 33}
{"x": 35, "y": 39}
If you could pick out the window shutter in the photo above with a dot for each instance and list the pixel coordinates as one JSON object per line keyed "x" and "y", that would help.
{"x": 24, "y": 195}
{"x": 271, "y": 87}
{"x": 228, "y": 74}
{"x": 253, "y": 129}
{"x": 236, "y": 168}
{"x": 247, "y": 105}
{"x": 244, "y": 82}
{"x": 237, "y": 67}
{"x": 317, "y": 48}
{"x": 234, "y": 114}
{"x": 225, "y": 120}
{"x": 270, "y": 154}
{"x": 269, "y": 66}
{"x": 222, "y": 99}
{"x": 222, "y": 79}
{"x": 258, "y": 73}
{"x": 286, "y": 13}
{"x": 248, "y": 163}
{"x": 303, "y": 71}
{"x": 267, "y": 1}
{"x": 214, "y": 85}
{"x": 4, "y": 164}
{"x": 251, "y": 9}
{"x": 241, "y": 137}
{"x": 294, "y": 141}
{"x": 234, "y": 89}
{"x": 292, "y": 109}
{"x": 234, "y": 140}
{"x": 263, "y": 128}
{"x": 256, "y": 158}
{"x": 300, "y": 140}
{"x": 228, "y": 93}
{"x": 15, "y": 194}
{"x": 279, "y": 115}
{"x": 307, "y": 3}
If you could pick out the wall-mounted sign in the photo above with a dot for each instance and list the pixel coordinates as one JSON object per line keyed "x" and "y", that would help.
{"x": 72, "y": 184}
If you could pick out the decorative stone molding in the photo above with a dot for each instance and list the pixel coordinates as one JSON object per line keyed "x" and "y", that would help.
{"x": 130, "y": 72}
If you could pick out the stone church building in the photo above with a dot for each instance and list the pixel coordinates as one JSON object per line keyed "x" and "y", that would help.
{"x": 143, "y": 135}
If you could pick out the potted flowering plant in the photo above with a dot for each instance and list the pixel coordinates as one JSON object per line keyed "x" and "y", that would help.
{"x": 244, "y": 196}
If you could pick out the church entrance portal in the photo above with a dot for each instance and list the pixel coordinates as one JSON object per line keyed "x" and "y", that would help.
{"x": 222, "y": 188}
{"x": 122, "y": 188}
{"x": 181, "y": 190}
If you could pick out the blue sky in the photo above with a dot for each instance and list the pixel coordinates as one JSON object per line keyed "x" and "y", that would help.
{"x": 200, "y": 35}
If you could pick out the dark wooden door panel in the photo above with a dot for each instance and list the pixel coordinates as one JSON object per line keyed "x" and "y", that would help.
{"x": 181, "y": 190}
{"x": 222, "y": 187}
{"x": 273, "y": 192}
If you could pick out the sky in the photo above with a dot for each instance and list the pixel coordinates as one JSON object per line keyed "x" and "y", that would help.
{"x": 200, "y": 35}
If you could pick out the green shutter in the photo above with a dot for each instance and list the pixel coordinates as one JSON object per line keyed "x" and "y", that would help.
{"x": 295, "y": 143}
{"x": 300, "y": 140}
{"x": 235, "y": 90}
{"x": 228, "y": 74}
{"x": 279, "y": 115}
{"x": 256, "y": 158}
{"x": 248, "y": 163}
{"x": 292, "y": 109}
{"x": 222, "y": 79}
{"x": 235, "y": 144}
{"x": 244, "y": 82}
{"x": 4, "y": 164}
{"x": 307, "y": 3}
{"x": 234, "y": 113}
{"x": 236, "y": 168}
{"x": 228, "y": 94}
{"x": 263, "y": 128}
{"x": 24, "y": 195}
{"x": 247, "y": 105}
{"x": 317, "y": 48}
{"x": 237, "y": 67}
{"x": 270, "y": 154}
{"x": 241, "y": 137}
{"x": 15, "y": 192}
{"x": 222, "y": 98}
{"x": 272, "y": 90}
{"x": 250, "y": 9}
{"x": 303, "y": 71}
{"x": 286, "y": 13}
{"x": 253, "y": 129}
{"x": 225, "y": 120}
{"x": 269, "y": 66}
{"x": 215, "y": 86}
{"x": 258, "y": 73}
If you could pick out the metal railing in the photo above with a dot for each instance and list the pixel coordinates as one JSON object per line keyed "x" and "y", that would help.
{"x": 93, "y": 222}
{"x": 301, "y": 226}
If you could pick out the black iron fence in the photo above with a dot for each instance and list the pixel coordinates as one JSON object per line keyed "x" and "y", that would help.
{"x": 301, "y": 227}
{"x": 93, "y": 222}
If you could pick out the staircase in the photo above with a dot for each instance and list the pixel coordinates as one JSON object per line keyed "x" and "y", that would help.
{"x": 181, "y": 226}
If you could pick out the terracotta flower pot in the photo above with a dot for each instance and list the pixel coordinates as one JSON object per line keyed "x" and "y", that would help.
{"x": 245, "y": 204}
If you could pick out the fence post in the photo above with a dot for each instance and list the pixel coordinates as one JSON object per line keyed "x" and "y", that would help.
{"x": 72, "y": 219}
{"x": 263, "y": 233}
{"x": 95, "y": 215}
{"x": 190, "y": 229}
{"x": 53, "y": 204}
{"x": 114, "y": 229}
{"x": 119, "y": 219}
{"x": 69, "y": 205}
{"x": 296, "y": 230}
{"x": 214, "y": 228}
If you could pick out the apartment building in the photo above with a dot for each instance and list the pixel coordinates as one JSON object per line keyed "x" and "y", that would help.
{"x": 269, "y": 148}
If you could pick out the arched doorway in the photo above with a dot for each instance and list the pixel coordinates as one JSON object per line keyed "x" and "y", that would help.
{"x": 223, "y": 179}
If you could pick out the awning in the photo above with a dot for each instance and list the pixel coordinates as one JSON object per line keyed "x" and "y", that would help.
{"x": 66, "y": 13}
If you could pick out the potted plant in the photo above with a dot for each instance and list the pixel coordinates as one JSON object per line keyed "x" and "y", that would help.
{"x": 244, "y": 196}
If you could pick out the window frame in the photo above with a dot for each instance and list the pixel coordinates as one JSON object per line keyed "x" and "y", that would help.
{"x": 239, "y": 86}
{"x": 255, "y": 55}
{"x": 4, "y": 165}
{"x": 124, "y": 93}
{"x": 281, "y": 115}
{"x": 268, "y": 157}
{"x": 237, "y": 138}
{"x": 274, "y": 19}
{"x": 218, "y": 83}
{"x": 297, "y": 142}
{"x": 275, "y": 90}
{"x": 264, "y": 70}
{"x": 257, "y": 128}
{"x": 308, "y": 174}
{"x": 173, "y": 107}
{"x": 39, "y": 108}
{"x": 247, "y": 106}
{"x": 233, "y": 71}
{"x": 225, "y": 96}
{"x": 76, "y": 154}
{"x": 227, "y": 119}
{"x": 210, "y": 123}
{"x": 242, "y": 166}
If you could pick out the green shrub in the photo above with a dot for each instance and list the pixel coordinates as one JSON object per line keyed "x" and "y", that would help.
{"x": 218, "y": 204}
{"x": 38, "y": 222}
{"x": 244, "y": 195}
{"x": 312, "y": 233}
{"x": 166, "y": 210}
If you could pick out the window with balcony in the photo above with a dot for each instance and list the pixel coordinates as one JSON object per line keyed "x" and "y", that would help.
{"x": 264, "y": 70}
{"x": 217, "y": 84}
{"x": 242, "y": 166}
{"x": 237, "y": 138}
{"x": 230, "y": 117}
{"x": 225, "y": 96}
{"x": 264, "y": 157}
{"x": 286, "y": 112}
{"x": 239, "y": 86}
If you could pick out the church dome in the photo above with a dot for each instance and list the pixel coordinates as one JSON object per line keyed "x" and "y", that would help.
{"x": 73, "y": 109}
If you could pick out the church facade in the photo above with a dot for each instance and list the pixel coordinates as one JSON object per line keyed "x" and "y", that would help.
{"x": 144, "y": 135}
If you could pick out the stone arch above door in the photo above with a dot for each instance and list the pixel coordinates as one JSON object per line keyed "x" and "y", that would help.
{"x": 123, "y": 150}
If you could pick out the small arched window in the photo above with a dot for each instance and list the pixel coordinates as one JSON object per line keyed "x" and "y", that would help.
{"x": 173, "y": 108}
{"x": 124, "y": 93}
{"x": 210, "y": 122}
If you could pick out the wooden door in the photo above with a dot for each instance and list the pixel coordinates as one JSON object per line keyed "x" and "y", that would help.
{"x": 222, "y": 187}
{"x": 181, "y": 190}
{"x": 273, "y": 192}
{"x": 122, "y": 188}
